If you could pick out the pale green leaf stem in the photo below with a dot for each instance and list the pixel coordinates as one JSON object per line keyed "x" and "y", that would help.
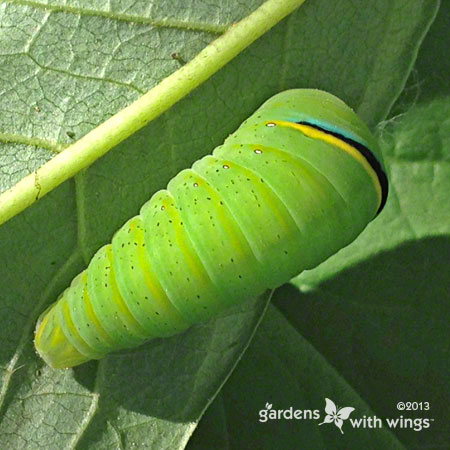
{"x": 135, "y": 116}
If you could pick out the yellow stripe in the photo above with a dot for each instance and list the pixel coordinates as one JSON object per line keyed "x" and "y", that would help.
{"x": 222, "y": 217}
{"x": 42, "y": 326}
{"x": 91, "y": 315}
{"x": 314, "y": 133}
{"x": 125, "y": 315}
{"x": 151, "y": 282}
{"x": 267, "y": 194}
{"x": 78, "y": 342}
{"x": 192, "y": 264}
{"x": 307, "y": 173}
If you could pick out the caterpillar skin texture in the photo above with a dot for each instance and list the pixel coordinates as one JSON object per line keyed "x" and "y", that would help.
{"x": 293, "y": 185}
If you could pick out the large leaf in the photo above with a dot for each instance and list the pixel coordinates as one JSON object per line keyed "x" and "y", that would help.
{"x": 64, "y": 69}
{"x": 369, "y": 327}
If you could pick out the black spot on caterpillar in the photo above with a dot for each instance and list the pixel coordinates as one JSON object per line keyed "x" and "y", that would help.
{"x": 300, "y": 179}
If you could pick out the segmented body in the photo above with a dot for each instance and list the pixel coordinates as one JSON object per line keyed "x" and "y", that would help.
{"x": 293, "y": 185}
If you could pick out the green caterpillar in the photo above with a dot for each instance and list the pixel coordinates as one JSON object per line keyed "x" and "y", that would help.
{"x": 293, "y": 185}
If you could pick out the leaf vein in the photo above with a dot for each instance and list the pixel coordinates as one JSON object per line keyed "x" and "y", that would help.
{"x": 211, "y": 28}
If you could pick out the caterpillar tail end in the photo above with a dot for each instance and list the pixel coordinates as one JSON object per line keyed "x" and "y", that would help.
{"x": 52, "y": 345}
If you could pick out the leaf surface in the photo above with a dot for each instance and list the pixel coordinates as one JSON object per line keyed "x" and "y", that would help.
{"x": 64, "y": 69}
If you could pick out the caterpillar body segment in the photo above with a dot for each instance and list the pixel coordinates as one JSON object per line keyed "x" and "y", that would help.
{"x": 299, "y": 180}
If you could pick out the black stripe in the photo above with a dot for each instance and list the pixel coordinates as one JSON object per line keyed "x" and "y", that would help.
{"x": 366, "y": 153}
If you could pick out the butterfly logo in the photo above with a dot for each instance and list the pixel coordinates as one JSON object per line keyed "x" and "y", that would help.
{"x": 335, "y": 414}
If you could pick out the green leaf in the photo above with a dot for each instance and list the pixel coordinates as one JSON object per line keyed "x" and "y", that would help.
{"x": 149, "y": 106}
{"x": 369, "y": 327}
{"x": 65, "y": 69}
{"x": 283, "y": 370}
